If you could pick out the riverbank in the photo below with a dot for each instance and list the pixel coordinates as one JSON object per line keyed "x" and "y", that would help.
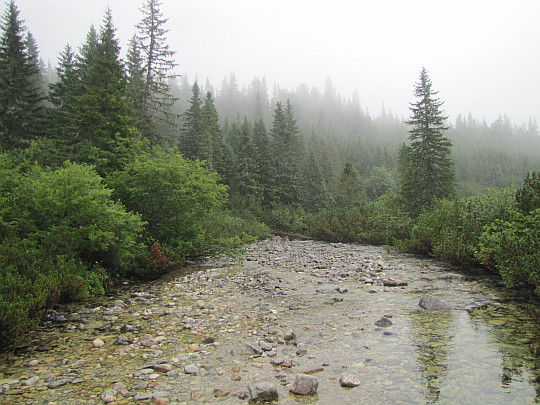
{"x": 330, "y": 311}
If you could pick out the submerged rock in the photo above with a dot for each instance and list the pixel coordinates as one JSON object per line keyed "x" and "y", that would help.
{"x": 430, "y": 303}
{"x": 383, "y": 322}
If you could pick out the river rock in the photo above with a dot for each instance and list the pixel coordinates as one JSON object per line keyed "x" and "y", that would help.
{"x": 304, "y": 384}
{"x": 109, "y": 396}
{"x": 265, "y": 346}
{"x": 98, "y": 343}
{"x": 191, "y": 369}
{"x": 383, "y": 322}
{"x": 430, "y": 303}
{"x": 31, "y": 381}
{"x": 301, "y": 349}
{"x": 58, "y": 383}
{"x": 263, "y": 392}
{"x": 348, "y": 381}
{"x": 394, "y": 283}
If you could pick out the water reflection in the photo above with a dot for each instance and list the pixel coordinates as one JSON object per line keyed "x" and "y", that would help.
{"x": 432, "y": 342}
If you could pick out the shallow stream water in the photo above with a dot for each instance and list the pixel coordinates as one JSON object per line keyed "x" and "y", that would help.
{"x": 482, "y": 350}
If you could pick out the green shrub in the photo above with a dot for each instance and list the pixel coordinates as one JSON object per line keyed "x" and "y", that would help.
{"x": 60, "y": 237}
{"x": 511, "y": 247}
{"x": 451, "y": 230}
{"x": 338, "y": 224}
{"x": 286, "y": 218}
{"x": 172, "y": 194}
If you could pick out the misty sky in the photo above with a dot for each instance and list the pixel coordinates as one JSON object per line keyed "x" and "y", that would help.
{"x": 482, "y": 55}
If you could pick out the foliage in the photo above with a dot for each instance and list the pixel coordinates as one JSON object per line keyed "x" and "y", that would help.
{"x": 171, "y": 194}
{"x": 380, "y": 222}
{"x": 338, "y": 224}
{"x": 451, "y": 231}
{"x": 61, "y": 236}
{"x": 381, "y": 181}
{"x": 510, "y": 247}
{"x": 286, "y": 218}
{"x": 528, "y": 195}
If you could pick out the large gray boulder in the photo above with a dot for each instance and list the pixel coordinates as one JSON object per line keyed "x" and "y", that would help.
{"x": 430, "y": 303}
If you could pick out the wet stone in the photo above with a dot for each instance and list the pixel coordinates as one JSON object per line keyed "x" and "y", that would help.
{"x": 304, "y": 384}
{"x": 263, "y": 392}
{"x": 383, "y": 322}
{"x": 349, "y": 381}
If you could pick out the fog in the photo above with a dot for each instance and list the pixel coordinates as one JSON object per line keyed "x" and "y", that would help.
{"x": 482, "y": 56}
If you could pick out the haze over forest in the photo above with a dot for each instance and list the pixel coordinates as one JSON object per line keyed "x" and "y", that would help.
{"x": 480, "y": 54}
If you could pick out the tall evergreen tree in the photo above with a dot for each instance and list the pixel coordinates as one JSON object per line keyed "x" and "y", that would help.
{"x": 136, "y": 79}
{"x": 348, "y": 191}
{"x": 315, "y": 194}
{"x": 288, "y": 154}
{"x": 190, "y": 138}
{"x": 88, "y": 52}
{"x": 210, "y": 146}
{"x": 21, "y": 108}
{"x": 247, "y": 164}
{"x": 265, "y": 159}
{"x": 64, "y": 97}
{"x": 426, "y": 168}
{"x": 34, "y": 59}
{"x": 157, "y": 65}
{"x": 106, "y": 118}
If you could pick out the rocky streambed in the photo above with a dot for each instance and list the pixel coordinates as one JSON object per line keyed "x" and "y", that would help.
{"x": 294, "y": 322}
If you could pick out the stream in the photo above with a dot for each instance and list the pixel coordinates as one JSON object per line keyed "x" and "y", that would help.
{"x": 333, "y": 312}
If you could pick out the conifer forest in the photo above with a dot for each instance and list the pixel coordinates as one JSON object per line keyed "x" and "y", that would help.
{"x": 113, "y": 166}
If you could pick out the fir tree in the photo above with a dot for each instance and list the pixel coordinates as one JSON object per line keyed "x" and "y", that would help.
{"x": 349, "y": 191}
{"x": 315, "y": 194}
{"x": 21, "y": 108}
{"x": 106, "y": 118}
{"x": 190, "y": 139}
{"x": 265, "y": 158}
{"x": 288, "y": 154}
{"x": 136, "y": 79}
{"x": 157, "y": 65}
{"x": 34, "y": 59}
{"x": 247, "y": 164}
{"x": 426, "y": 168}
{"x": 210, "y": 145}
{"x": 64, "y": 96}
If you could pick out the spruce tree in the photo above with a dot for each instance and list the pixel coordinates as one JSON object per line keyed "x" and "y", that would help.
{"x": 34, "y": 59}
{"x": 21, "y": 108}
{"x": 211, "y": 149}
{"x": 288, "y": 154}
{"x": 265, "y": 158}
{"x": 64, "y": 97}
{"x": 106, "y": 118}
{"x": 157, "y": 65}
{"x": 136, "y": 79}
{"x": 247, "y": 164}
{"x": 425, "y": 166}
{"x": 190, "y": 138}
{"x": 315, "y": 194}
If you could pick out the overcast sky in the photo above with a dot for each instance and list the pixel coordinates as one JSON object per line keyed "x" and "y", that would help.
{"x": 483, "y": 56}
